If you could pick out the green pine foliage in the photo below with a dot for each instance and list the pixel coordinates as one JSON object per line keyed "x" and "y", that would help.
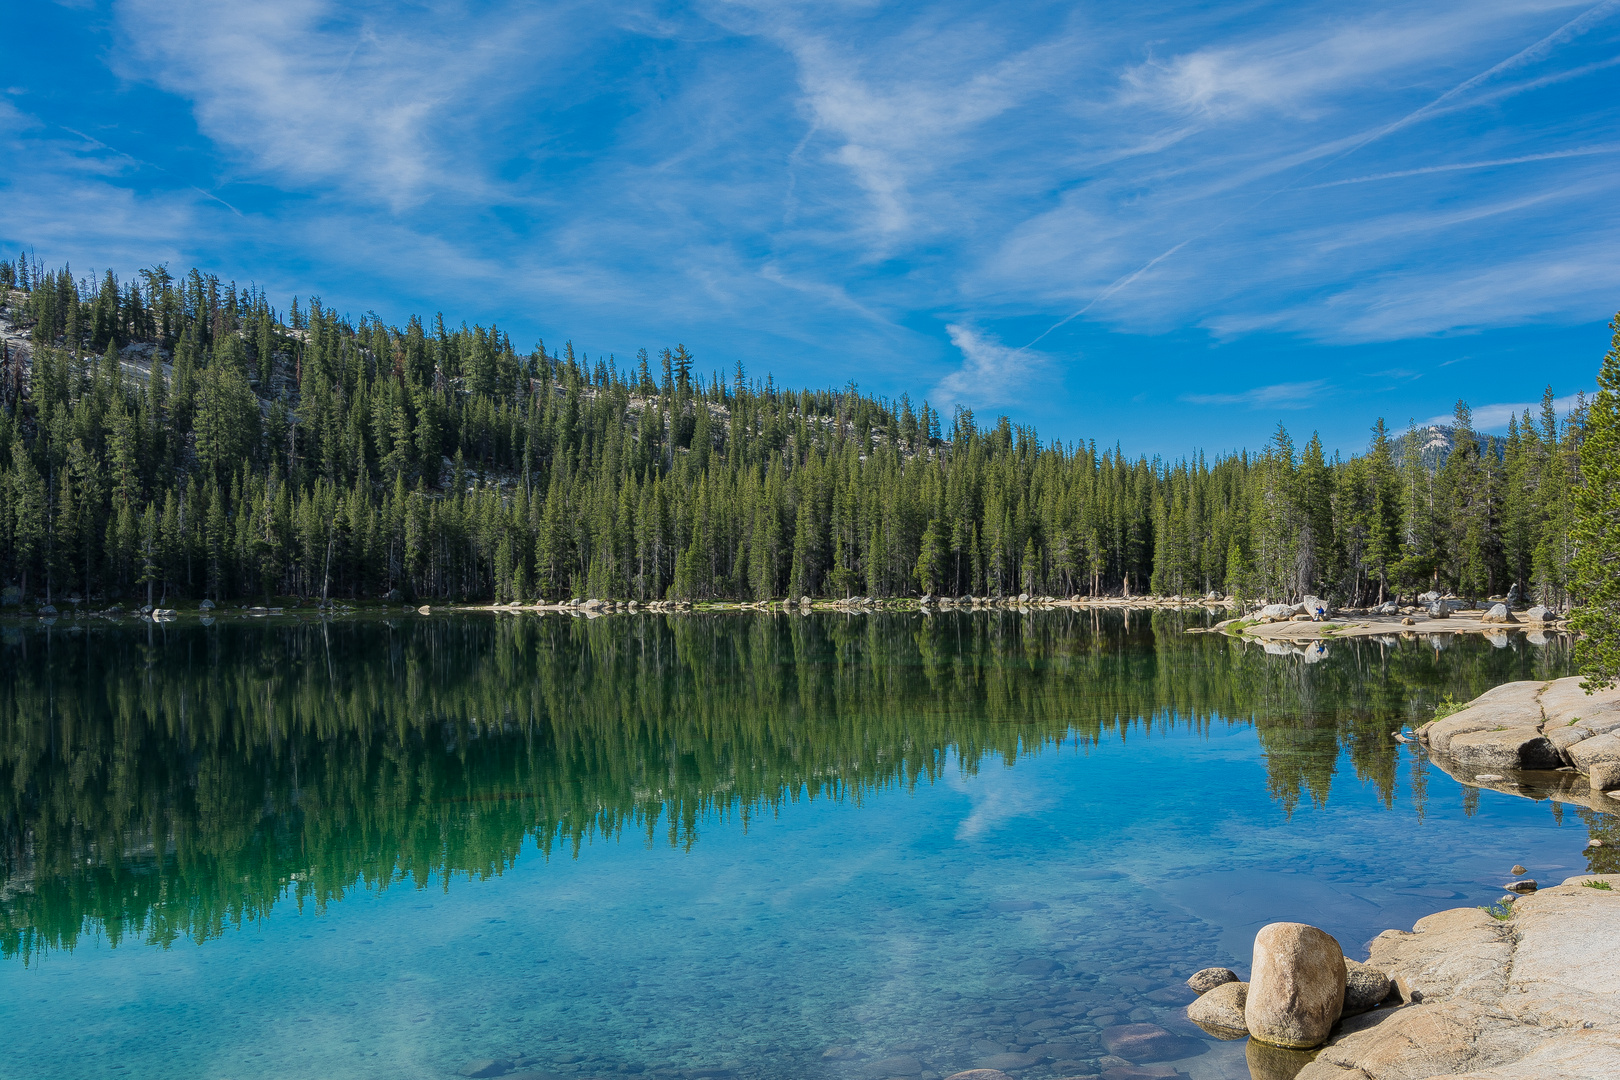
{"x": 303, "y": 453}
{"x": 1596, "y": 563}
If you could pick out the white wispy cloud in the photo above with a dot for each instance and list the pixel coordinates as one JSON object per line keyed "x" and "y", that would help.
{"x": 364, "y": 97}
{"x": 1495, "y": 417}
{"x": 1294, "y": 395}
{"x": 991, "y": 373}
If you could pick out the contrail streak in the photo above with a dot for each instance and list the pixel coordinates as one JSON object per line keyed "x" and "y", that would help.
{"x": 1574, "y": 28}
{"x": 1585, "y": 151}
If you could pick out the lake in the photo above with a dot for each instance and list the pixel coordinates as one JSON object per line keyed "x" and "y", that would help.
{"x": 742, "y": 845}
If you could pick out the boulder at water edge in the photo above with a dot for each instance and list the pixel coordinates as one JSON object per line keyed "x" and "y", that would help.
{"x": 1498, "y": 613}
{"x": 1364, "y": 987}
{"x": 1209, "y": 978}
{"x": 1221, "y": 1009}
{"x": 1296, "y": 989}
{"x": 1538, "y": 614}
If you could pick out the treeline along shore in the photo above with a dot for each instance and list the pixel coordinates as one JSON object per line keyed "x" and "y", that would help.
{"x": 178, "y": 438}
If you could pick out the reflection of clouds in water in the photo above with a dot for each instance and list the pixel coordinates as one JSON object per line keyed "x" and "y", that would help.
{"x": 998, "y": 795}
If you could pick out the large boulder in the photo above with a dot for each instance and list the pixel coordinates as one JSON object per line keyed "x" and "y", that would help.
{"x": 1500, "y": 729}
{"x": 1278, "y": 611}
{"x": 1538, "y": 614}
{"x": 1221, "y": 1008}
{"x": 1498, "y": 613}
{"x": 1296, "y": 989}
{"x": 1599, "y": 758}
{"x": 1311, "y": 603}
{"x": 1439, "y": 610}
{"x": 1388, "y": 607}
{"x": 1505, "y": 748}
{"x": 1428, "y": 597}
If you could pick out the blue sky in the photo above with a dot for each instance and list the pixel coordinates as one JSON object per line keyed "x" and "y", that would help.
{"x": 1167, "y": 225}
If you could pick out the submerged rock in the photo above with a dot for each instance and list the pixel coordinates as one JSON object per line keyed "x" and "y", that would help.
{"x": 486, "y": 1067}
{"x": 1221, "y": 1008}
{"x": 1037, "y": 966}
{"x": 979, "y": 1074}
{"x": 902, "y": 1065}
{"x": 1296, "y": 990}
{"x": 1010, "y": 1061}
{"x": 1140, "y": 1072}
{"x": 1148, "y": 1042}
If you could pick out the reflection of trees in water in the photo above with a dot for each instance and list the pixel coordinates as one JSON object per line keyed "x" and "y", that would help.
{"x": 171, "y": 782}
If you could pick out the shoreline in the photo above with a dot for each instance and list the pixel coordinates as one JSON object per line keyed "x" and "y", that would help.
{"x": 592, "y": 608}
{"x": 1534, "y": 740}
{"x": 1534, "y": 993}
{"x": 1369, "y": 625}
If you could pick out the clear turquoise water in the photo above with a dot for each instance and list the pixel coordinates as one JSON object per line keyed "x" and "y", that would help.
{"x": 911, "y": 845}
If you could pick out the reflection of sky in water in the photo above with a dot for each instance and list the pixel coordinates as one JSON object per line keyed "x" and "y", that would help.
{"x": 916, "y": 925}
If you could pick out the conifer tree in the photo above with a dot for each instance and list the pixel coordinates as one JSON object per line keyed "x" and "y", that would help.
{"x": 1597, "y": 530}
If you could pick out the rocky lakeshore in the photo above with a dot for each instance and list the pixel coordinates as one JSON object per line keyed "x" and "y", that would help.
{"x": 1465, "y": 993}
{"x": 1527, "y": 988}
{"x": 1531, "y": 738}
{"x": 1313, "y": 621}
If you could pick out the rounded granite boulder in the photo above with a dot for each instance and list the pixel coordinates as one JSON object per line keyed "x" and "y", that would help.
{"x": 1365, "y": 988}
{"x": 1209, "y": 978}
{"x": 1220, "y": 1012}
{"x": 1296, "y": 989}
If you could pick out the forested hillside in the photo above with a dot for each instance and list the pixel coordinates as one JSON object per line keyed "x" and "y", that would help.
{"x": 268, "y": 453}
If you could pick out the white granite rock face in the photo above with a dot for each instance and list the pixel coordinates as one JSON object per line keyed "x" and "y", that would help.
{"x": 1535, "y": 996}
{"x": 1533, "y": 725}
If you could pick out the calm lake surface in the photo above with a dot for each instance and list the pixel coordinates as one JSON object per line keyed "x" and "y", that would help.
{"x": 751, "y": 846}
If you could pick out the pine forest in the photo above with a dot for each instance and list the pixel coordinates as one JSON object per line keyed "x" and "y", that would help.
{"x": 164, "y": 439}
